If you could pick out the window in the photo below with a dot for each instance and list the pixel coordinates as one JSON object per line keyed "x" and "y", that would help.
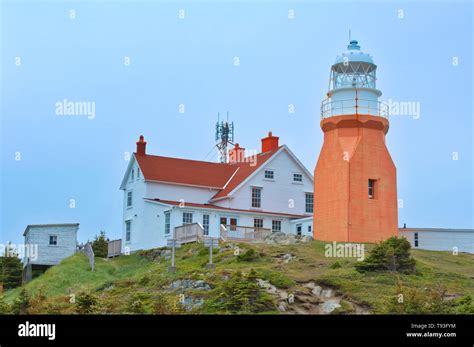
{"x": 299, "y": 228}
{"x": 309, "y": 228}
{"x": 297, "y": 177}
{"x": 276, "y": 226}
{"x": 138, "y": 173}
{"x": 133, "y": 174}
{"x": 309, "y": 202}
{"x": 256, "y": 197}
{"x": 129, "y": 199}
{"x": 167, "y": 223}
{"x": 371, "y": 189}
{"x": 187, "y": 218}
{"x": 128, "y": 230}
{"x": 53, "y": 240}
{"x": 205, "y": 223}
{"x": 416, "y": 239}
{"x": 269, "y": 174}
{"x": 258, "y": 223}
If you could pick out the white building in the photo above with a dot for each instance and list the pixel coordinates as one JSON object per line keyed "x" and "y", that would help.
{"x": 460, "y": 240}
{"x": 271, "y": 190}
{"x": 51, "y": 243}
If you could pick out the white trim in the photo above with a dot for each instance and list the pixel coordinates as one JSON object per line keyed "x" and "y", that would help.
{"x": 284, "y": 147}
{"x": 127, "y": 172}
{"x": 183, "y": 184}
{"x": 231, "y": 177}
{"x": 301, "y": 220}
{"x": 223, "y": 210}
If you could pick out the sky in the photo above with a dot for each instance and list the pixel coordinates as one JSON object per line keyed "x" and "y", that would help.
{"x": 165, "y": 70}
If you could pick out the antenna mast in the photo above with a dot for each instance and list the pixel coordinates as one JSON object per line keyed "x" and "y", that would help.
{"x": 224, "y": 136}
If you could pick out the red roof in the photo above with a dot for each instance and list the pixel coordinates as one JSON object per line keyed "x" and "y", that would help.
{"x": 184, "y": 171}
{"x": 211, "y": 206}
{"x": 224, "y": 177}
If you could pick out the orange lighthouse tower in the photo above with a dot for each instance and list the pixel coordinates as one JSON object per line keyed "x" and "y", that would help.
{"x": 355, "y": 189}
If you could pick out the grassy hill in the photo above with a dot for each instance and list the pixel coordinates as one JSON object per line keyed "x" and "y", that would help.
{"x": 140, "y": 283}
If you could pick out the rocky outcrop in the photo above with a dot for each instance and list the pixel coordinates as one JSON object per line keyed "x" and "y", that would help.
{"x": 181, "y": 285}
{"x": 311, "y": 299}
{"x": 285, "y": 239}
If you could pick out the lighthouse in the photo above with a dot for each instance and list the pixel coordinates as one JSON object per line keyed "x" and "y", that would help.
{"x": 355, "y": 184}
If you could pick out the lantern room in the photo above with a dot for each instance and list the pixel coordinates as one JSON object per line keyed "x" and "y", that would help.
{"x": 352, "y": 85}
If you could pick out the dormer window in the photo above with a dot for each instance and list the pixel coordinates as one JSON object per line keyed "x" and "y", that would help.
{"x": 133, "y": 174}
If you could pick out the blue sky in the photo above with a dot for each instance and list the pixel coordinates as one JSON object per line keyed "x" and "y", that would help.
{"x": 190, "y": 61}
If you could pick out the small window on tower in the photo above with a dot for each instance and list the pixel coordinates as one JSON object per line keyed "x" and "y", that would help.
{"x": 371, "y": 189}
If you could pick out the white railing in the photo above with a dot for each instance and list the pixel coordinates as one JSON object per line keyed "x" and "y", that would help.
{"x": 242, "y": 233}
{"x": 186, "y": 233}
{"x": 331, "y": 108}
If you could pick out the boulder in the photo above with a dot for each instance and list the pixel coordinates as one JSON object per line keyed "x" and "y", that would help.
{"x": 280, "y": 238}
{"x": 329, "y": 306}
{"x": 189, "y": 284}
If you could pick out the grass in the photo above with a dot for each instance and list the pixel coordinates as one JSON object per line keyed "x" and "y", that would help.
{"x": 135, "y": 282}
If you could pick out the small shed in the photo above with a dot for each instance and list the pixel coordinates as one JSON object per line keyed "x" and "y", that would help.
{"x": 51, "y": 244}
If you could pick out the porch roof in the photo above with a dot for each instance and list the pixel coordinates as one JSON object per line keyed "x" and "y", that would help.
{"x": 220, "y": 208}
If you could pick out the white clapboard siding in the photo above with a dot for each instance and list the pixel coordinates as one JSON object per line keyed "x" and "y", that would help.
{"x": 52, "y": 254}
{"x": 460, "y": 240}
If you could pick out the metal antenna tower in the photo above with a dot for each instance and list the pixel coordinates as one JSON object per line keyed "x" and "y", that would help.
{"x": 224, "y": 136}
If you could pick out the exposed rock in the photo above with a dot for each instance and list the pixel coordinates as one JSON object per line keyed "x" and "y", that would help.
{"x": 189, "y": 284}
{"x": 157, "y": 255}
{"x": 288, "y": 257}
{"x": 315, "y": 289}
{"x": 329, "y": 306}
{"x": 280, "y": 238}
{"x": 326, "y": 293}
{"x": 191, "y": 303}
{"x": 311, "y": 299}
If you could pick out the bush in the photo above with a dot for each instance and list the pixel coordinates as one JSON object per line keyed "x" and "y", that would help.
{"x": 163, "y": 304}
{"x": 100, "y": 245}
{"x": 139, "y": 304}
{"x": 4, "y": 307}
{"x": 418, "y": 301}
{"x": 241, "y": 294}
{"x": 248, "y": 256}
{"x": 11, "y": 268}
{"x": 22, "y": 303}
{"x": 86, "y": 303}
{"x": 336, "y": 265}
{"x": 392, "y": 254}
{"x": 464, "y": 305}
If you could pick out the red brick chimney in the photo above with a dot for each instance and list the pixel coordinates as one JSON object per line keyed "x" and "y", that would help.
{"x": 236, "y": 154}
{"x": 141, "y": 146}
{"x": 269, "y": 143}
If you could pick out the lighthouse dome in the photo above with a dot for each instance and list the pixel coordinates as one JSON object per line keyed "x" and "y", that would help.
{"x": 354, "y": 54}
